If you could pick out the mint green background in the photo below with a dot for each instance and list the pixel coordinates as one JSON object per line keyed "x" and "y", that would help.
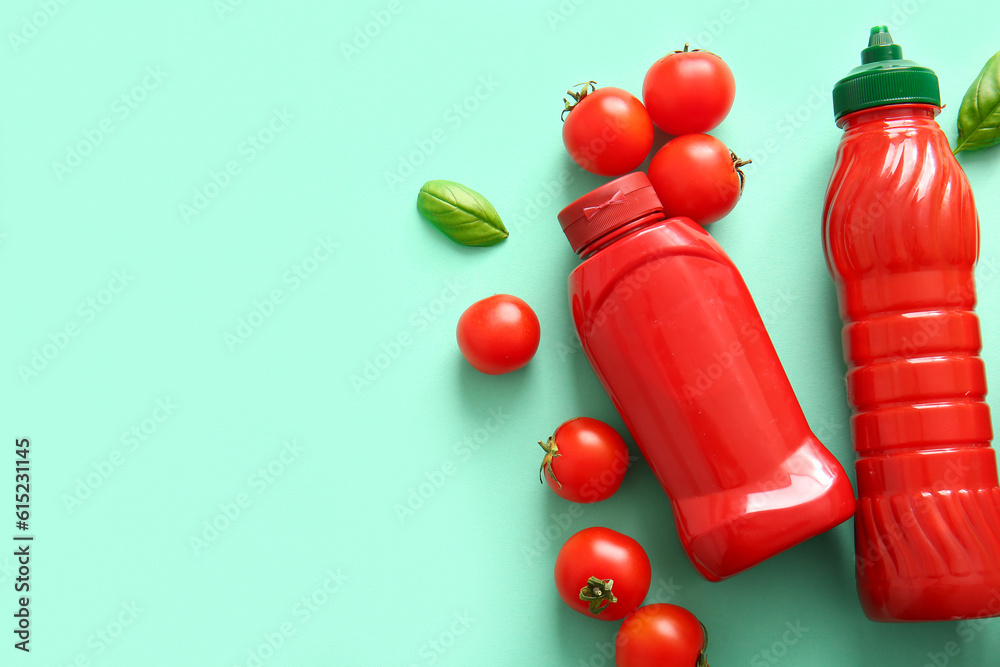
{"x": 477, "y": 545}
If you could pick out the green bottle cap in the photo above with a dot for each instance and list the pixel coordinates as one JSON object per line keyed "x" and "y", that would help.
{"x": 884, "y": 78}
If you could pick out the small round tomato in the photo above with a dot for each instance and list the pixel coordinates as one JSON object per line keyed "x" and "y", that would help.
{"x": 696, "y": 176}
{"x": 498, "y": 334}
{"x": 602, "y": 573}
{"x": 661, "y": 634}
{"x": 585, "y": 460}
{"x": 688, "y": 91}
{"x": 607, "y": 130}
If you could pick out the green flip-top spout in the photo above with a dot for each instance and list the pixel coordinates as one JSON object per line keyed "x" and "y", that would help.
{"x": 884, "y": 77}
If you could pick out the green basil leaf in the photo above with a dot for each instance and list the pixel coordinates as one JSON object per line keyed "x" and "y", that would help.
{"x": 979, "y": 115}
{"x": 463, "y": 214}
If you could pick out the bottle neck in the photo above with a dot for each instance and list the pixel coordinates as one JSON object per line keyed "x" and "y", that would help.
{"x": 892, "y": 114}
{"x": 618, "y": 233}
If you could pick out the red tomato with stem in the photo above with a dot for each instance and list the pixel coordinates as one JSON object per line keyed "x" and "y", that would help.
{"x": 498, "y": 334}
{"x": 696, "y": 176}
{"x": 661, "y": 634}
{"x": 602, "y": 573}
{"x": 585, "y": 460}
{"x": 606, "y": 130}
{"x": 688, "y": 91}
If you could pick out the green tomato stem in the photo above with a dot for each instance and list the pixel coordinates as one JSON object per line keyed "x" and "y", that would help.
{"x": 702, "y": 659}
{"x": 737, "y": 163}
{"x": 598, "y": 593}
{"x": 588, "y": 87}
{"x": 551, "y": 452}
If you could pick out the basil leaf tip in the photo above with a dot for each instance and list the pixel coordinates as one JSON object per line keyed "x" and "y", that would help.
{"x": 979, "y": 115}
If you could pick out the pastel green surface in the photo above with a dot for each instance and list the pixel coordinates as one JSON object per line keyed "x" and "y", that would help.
{"x": 242, "y": 240}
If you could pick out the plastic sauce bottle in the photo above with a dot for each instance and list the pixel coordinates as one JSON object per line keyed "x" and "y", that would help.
{"x": 675, "y": 338}
{"x": 901, "y": 235}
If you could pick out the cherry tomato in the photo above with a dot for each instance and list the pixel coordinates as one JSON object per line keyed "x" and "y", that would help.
{"x": 696, "y": 176}
{"x": 661, "y": 634}
{"x": 688, "y": 91}
{"x": 602, "y": 573}
{"x": 498, "y": 334}
{"x": 607, "y": 131}
{"x": 585, "y": 460}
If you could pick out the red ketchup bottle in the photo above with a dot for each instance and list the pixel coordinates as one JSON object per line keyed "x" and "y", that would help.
{"x": 901, "y": 235}
{"x": 675, "y": 338}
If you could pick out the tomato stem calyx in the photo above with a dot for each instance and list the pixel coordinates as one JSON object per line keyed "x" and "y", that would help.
{"x": 598, "y": 593}
{"x": 551, "y": 452}
{"x": 687, "y": 49}
{"x": 702, "y": 660}
{"x": 737, "y": 163}
{"x": 588, "y": 87}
